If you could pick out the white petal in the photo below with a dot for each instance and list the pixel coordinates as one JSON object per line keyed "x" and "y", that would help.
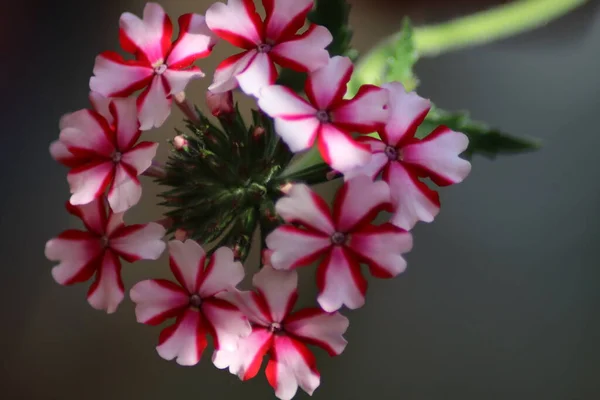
{"x": 125, "y": 191}
{"x": 87, "y": 131}
{"x": 365, "y": 113}
{"x": 124, "y": 113}
{"x": 340, "y": 150}
{"x": 293, "y": 247}
{"x": 340, "y": 282}
{"x": 407, "y": 112}
{"x": 282, "y": 102}
{"x": 107, "y": 292}
{"x": 140, "y": 157}
{"x": 259, "y": 73}
{"x": 115, "y": 77}
{"x": 307, "y": 52}
{"x": 327, "y": 85}
{"x": 228, "y": 323}
{"x": 358, "y": 199}
{"x": 89, "y": 181}
{"x": 236, "y": 22}
{"x": 154, "y": 106}
{"x": 221, "y": 274}
{"x": 245, "y": 362}
{"x": 151, "y": 36}
{"x": 224, "y": 78}
{"x": 303, "y": 206}
{"x": 195, "y": 41}
{"x": 284, "y": 17}
{"x": 187, "y": 263}
{"x": 298, "y": 134}
{"x": 157, "y": 300}
{"x": 78, "y": 256}
{"x": 179, "y": 79}
{"x": 185, "y": 340}
{"x": 100, "y": 104}
{"x": 92, "y": 214}
{"x": 319, "y": 328}
{"x": 278, "y": 289}
{"x": 139, "y": 242}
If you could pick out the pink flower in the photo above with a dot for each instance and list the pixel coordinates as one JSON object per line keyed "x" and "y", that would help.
{"x": 342, "y": 239}
{"x": 402, "y": 159}
{"x": 265, "y": 43}
{"x": 105, "y": 156}
{"x": 161, "y": 68}
{"x": 327, "y": 117}
{"x": 98, "y": 250}
{"x": 282, "y": 334}
{"x": 220, "y": 104}
{"x": 196, "y": 302}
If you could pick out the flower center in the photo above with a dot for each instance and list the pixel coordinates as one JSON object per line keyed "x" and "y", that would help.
{"x": 104, "y": 241}
{"x": 195, "y": 300}
{"x": 117, "y": 157}
{"x": 338, "y": 238}
{"x": 264, "y": 48}
{"x": 323, "y": 116}
{"x": 275, "y": 327}
{"x": 160, "y": 69}
{"x": 392, "y": 153}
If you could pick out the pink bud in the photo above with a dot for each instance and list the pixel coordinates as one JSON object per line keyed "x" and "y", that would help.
{"x": 220, "y": 103}
{"x": 181, "y": 234}
{"x": 285, "y": 189}
{"x": 266, "y": 257}
{"x": 179, "y": 142}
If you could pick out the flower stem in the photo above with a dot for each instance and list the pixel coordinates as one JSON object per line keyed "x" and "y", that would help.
{"x": 156, "y": 170}
{"x": 186, "y": 107}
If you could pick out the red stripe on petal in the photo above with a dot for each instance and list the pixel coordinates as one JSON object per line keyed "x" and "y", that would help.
{"x": 172, "y": 313}
{"x": 133, "y": 87}
{"x": 257, "y": 360}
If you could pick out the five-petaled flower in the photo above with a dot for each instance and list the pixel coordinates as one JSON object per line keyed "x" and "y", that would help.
{"x": 401, "y": 158}
{"x": 282, "y": 334}
{"x": 197, "y": 302}
{"x": 161, "y": 68}
{"x": 104, "y": 155}
{"x": 273, "y": 41}
{"x": 342, "y": 239}
{"x": 327, "y": 117}
{"x": 82, "y": 254}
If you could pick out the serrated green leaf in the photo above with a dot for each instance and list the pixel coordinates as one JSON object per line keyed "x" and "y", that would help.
{"x": 483, "y": 140}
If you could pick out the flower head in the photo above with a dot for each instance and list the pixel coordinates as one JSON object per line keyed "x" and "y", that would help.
{"x": 104, "y": 155}
{"x": 161, "y": 68}
{"x": 327, "y": 117}
{"x": 274, "y": 40}
{"x": 282, "y": 334}
{"x": 196, "y": 302}
{"x": 81, "y": 254}
{"x": 341, "y": 240}
{"x": 402, "y": 159}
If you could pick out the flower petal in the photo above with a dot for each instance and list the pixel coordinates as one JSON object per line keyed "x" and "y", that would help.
{"x": 303, "y": 206}
{"x": 124, "y": 113}
{"x": 375, "y": 165}
{"x": 157, "y": 300}
{"x": 279, "y": 289}
{"x": 439, "y": 155}
{"x": 245, "y": 362}
{"x": 365, "y": 113}
{"x": 179, "y": 79}
{"x": 294, "y": 247}
{"x": 195, "y": 41}
{"x": 107, "y": 291}
{"x": 236, "y": 22}
{"x": 285, "y": 18}
{"x": 125, "y": 190}
{"x": 340, "y": 281}
{"x": 326, "y": 86}
{"x": 100, "y": 104}
{"x": 140, "y": 157}
{"x": 154, "y": 104}
{"x": 115, "y": 77}
{"x": 298, "y": 134}
{"x": 282, "y": 102}
{"x": 185, "y": 340}
{"x": 224, "y": 78}
{"x": 259, "y": 73}
{"x": 149, "y": 38}
{"x": 92, "y": 214}
{"x": 89, "y": 181}
{"x": 412, "y": 200}
{"x": 358, "y": 202}
{"x": 138, "y": 242}
{"x": 60, "y": 152}
{"x": 320, "y": 328}
{"x": 305, "y": 53}
{"x": 407, "y": 112}
{"x": 381, "y": 247}
{"x": 340, "y": 150}
{"x": 251, "y": 304}
{"x": 221, "y": 274}
{"x": 78, "y": 253}
{"x": 187, "y": 262}
{"x": 227, "y": 322}
{"x": 292, "y": 365}
{"x": 87, "y": 134}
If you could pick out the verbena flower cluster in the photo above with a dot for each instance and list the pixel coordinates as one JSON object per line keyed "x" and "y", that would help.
{"x": 225, "y": 183}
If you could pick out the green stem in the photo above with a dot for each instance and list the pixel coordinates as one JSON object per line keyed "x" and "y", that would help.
{"x": 490, "y": 25}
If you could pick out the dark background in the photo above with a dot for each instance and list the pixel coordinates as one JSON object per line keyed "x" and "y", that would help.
{"x": 501, "y": 297}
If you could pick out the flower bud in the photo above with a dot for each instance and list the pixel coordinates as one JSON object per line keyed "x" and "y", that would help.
{"x": 179, "y": 142}
{"x": 220, "y": 103}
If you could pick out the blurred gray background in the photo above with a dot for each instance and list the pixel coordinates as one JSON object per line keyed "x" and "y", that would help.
{"x": 500, "y": 300}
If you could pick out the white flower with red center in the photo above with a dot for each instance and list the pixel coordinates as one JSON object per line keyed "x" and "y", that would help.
{"x": 81, "y": 254}
{"x": 282, "y": 334}
{"x": 342, "y": 240}
{"x": 402, "y": 159}
{"x": 161, "y": 68}
{"x": 274, "y": 41}
{"x": 197, "y": 303}
{"x": 105, "y": 156}
{"x": 327, "y": 117}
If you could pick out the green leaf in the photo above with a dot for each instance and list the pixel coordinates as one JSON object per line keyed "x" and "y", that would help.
{"x": 393, "y": 60}
{"x": 483, "y": 140}
{"x": 334, "y": 15}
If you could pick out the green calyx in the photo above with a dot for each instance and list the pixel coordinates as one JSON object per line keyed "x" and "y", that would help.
{"x": 224, "y": 183}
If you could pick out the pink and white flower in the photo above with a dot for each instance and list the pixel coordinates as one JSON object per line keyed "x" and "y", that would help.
{"x": 97, "y": 251}
{"x": 274, "y": 41}
{"x": 282, "y": 334}
{"x": 327, "y": 117}
{"x": 402, "y": 159}
{"x": 161, "y": 68}
{"x": 197, "y": 302}
{"x": 105, "y": 156}
{"x": 341, "y": 239}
